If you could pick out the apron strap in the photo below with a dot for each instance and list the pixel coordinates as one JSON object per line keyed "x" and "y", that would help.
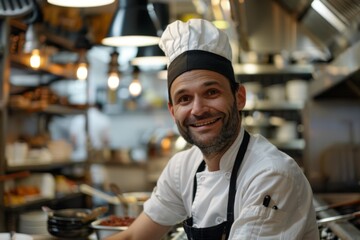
{"x": 200, "y": 169}
{"x": 234, "y": 174}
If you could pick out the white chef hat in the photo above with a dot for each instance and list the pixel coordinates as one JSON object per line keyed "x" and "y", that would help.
{"x": 196, "y": 44}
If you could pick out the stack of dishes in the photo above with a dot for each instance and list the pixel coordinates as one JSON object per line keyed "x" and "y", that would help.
{"x": 17, "y": 236}
{"x": 69, "y": 224}
{"x": 34, "y": 223}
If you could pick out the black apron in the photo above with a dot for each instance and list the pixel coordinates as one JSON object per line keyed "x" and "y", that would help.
{"x": 220, "y": 231}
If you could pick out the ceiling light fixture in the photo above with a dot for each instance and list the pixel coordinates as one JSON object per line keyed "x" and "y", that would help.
{"x": 135, "y": 87}
{"x": 150, "y": 58}
{"x": 80, "y": 3}
{"x": 83, "y": 44}
{"x": 82, "y": 67}
{"x": 132, "y": 25}
{"x": 113, "y": 81}
{"x": 32, "y": 43}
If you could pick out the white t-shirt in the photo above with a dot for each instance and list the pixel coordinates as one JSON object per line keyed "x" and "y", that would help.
{"x": 264, "y": 171}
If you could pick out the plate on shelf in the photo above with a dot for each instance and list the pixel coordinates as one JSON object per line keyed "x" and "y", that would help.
{"x": 17, "y": 236}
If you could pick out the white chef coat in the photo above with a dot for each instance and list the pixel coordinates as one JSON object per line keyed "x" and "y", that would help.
{"x": 264, "y": 171}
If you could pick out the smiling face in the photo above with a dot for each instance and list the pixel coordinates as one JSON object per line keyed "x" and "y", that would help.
{"x": 205, "y": 109}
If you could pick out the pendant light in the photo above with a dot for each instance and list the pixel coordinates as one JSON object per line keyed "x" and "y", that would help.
{"x": 82, "y": 44}
{"x": 150, "y": 58}
{"x": 32, "y": 43}
{"x": 113, "y": 81}
{"x": 80, "y": 3}
{"x": 135, "y": 87}
{"x": 132, "y": 25}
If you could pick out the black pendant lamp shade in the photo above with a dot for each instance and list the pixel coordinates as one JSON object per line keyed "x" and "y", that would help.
{"x": 132, "y": 25}
{"x": 150, "y": 56}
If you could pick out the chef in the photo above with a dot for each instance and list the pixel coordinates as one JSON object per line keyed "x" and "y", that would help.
{"x": 230, "y": 184}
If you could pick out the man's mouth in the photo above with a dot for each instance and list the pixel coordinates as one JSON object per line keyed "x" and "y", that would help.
{"x": 204, "y": 123}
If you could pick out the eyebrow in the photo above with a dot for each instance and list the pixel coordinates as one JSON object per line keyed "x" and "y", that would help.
{"x": 205, "y": 84}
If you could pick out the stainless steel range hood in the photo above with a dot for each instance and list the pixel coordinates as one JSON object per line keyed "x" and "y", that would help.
{"x": 332, "y": 23}
{"x": 325, "y": 33}
{"x": 335, "y": 25}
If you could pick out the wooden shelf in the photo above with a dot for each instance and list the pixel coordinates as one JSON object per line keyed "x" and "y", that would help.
{"x": 43, "y": 201}
{"x": 43, "y": 166}
{"x": 296, "y": 144}
{"x": 65, "y": 71}
{"x": 264, "y": 105}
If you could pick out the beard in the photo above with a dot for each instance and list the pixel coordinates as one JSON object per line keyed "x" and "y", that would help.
{"x": 220, "y": 142}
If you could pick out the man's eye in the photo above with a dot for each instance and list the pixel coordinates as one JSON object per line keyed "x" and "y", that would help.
{"x": 183, "y": 99}
{"x": 212, "y": 92}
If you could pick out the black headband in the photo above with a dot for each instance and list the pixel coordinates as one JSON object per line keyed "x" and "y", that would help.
{"x": 198, "y": 59}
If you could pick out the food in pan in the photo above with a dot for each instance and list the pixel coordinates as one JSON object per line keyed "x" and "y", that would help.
{"x": 114, "y": 221}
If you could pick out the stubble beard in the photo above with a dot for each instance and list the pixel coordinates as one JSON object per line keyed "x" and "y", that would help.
{"x": 219, "y": 143}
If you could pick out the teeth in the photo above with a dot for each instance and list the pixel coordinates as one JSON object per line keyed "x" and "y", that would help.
{"x": 204, "y": 123}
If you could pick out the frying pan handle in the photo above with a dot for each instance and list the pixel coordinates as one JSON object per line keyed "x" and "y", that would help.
{"x": 86, "y": 189}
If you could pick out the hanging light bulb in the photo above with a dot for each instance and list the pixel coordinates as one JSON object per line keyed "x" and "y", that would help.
{"x": 135, "y": 87}
{"x": 82, "y": 71}
{"x": 113, "y": 81}
{"x": 35, "y": 59}
{"x": 82, "y": 67}
{"x": 32, "y": 45}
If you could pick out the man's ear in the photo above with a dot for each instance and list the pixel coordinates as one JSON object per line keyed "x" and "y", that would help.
{"x": 241, "y": 97}
{"x": 171, "y": 110}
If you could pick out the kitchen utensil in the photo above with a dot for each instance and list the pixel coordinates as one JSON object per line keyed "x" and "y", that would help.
{"x": 338, "y": 218}
{"x": 73, "y": 222}
{"x": 95, "y": 213}
{"x": 48, "y": 211}
{"x": 116, "y": 190}
{"x": 86, "y": 189}
{"x": 336, "y": 205}
{"x": 74, "y": 214}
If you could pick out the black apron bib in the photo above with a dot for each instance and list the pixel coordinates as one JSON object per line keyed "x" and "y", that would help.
{"x": 220, "y": 231}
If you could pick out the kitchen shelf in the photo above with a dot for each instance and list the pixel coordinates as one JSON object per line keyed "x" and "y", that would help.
{"x": 43, "y": 166}
{"x": 264, "y": 105}
{"x": 268, "y": 69}
{"x": 43, "y": 201}
{"x": 65, "y": 71}
{"x": 296, "y": 144}
{"x": 55, "y": 109}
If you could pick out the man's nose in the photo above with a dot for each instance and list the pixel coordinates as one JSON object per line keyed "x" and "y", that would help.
{"x": 198, "y": 107}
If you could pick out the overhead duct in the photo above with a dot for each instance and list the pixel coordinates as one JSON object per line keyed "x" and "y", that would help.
{"x": 334, "y": 24}
{"x": 267, "y": 28}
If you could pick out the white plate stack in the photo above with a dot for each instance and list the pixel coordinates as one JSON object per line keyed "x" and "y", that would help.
{"x": 34, "y": 223}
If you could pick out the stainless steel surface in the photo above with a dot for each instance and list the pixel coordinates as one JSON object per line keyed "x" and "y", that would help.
{"x": 342, "y": 230}
{"x": 332, "y": 37}
{"x": 327, "y": 126}
{"x": 340, "y": 78}
{"x": 338, "y": 218}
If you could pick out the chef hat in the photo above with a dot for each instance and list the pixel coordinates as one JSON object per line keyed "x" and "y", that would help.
{"x": 196, "y": 44}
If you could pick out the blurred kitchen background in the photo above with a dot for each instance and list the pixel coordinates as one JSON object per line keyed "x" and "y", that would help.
{"x": 79, "y": 106}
